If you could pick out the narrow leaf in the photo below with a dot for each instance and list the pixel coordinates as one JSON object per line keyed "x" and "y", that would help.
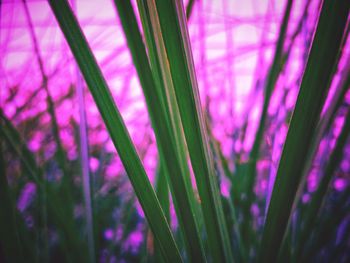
{"x": 272, "y": 77}
{"x": 117, "y": 130}
{"x": 164, "y": 134}
{"x": 312, "y": 94}
{"x": 179, "y": 58}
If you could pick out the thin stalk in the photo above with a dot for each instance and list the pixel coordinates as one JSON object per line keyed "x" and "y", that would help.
{"x": 84, "y": 160}
{"x": 84, "y": 152}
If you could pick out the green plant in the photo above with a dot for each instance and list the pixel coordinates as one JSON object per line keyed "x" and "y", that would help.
{"x": 165, "y": 68}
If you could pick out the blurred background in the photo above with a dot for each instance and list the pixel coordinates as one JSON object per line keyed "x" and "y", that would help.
{"x": 54, "y": 120}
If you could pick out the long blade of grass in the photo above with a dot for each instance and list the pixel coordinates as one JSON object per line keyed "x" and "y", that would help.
{"x": 160, "y": 71}
{"x": 272, "y": 77}
{"x": 162, "y": 76}
{"x": 164, "y": 86}
{"x": 313, "y": 90}
{"x": 326, "y": 121}
{"x": 117, "y": 130}
{"x": 84, "y": 160}
{"x": 164, "y": 134}
{"x": 323, "y": 126}
{"x": 174, "y": 35}
{"x": 318, "y": 197}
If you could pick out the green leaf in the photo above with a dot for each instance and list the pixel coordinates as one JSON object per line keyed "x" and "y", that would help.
{"x": 323, "y": 126}
{"x": 178, "y": 57}
{"x": 164, "y": 86}
{"x": 314, "y": 87}
{"x": 327, "y": 119}
{"x": 189, "y": 9}
{"x": 117, "y": 130}
{"x": 166, "y": 136}
{"x": 272, "y": 77}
